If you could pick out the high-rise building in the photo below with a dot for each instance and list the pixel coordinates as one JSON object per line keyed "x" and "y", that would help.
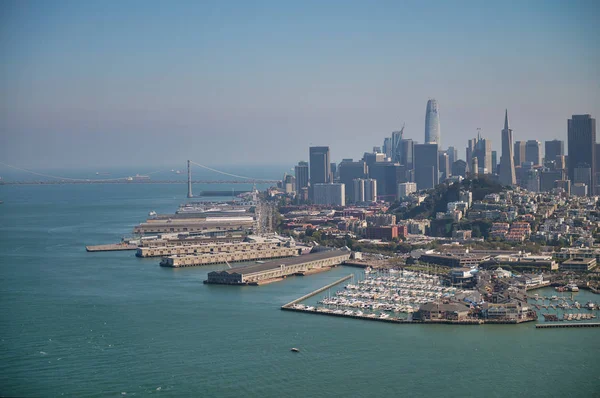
{"x": 330, "y": 194}
{"x": 548, "y": 178}
{"x": 494, "y": 162}
{"x": 387, "y": 175}
{"x": 507, "y": 167}
{"x": 582, "y": 146}
{"x": 452, "y": 155}
{"x": 405, "y": 189}
{"x": 370, "y": 190}
{"x": 553, "y": 149}
{"x": 432, "y": 123}
{"x": 387, "y": 147}
{"x": 533, "y": 152}
{"x": 397, "y": 136}
{"x": 444, "y": 165}
{"x": 320, "y": 165}
{"x": 483, "y": 151}
{"x": 358, "y": 185}
{"x": 349, "y": 171}
{"x": 519, "y": 153}
{"x": 333, "y": 167}
{"x": 405, "y": 153}
{"x": 426, "y": 166}
{"x": 459, "y": 168}
{"x": 301, "y": 172}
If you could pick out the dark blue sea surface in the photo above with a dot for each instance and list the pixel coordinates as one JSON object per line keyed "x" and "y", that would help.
{"x": 110, "y": 324}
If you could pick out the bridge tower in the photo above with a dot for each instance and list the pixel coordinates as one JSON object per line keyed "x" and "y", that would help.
{"x": 189, "y": 195}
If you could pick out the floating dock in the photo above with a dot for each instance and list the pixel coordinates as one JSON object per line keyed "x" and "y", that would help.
{"x": 285, "y": 307}
{"x": 567, "y": 325}
{"x": 111, "y": 248}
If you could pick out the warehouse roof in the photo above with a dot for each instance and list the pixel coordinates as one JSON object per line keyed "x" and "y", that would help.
{"x": 323, "y": 255}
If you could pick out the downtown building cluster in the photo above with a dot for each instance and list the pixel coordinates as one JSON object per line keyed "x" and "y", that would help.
{"x": 402, "y": 166}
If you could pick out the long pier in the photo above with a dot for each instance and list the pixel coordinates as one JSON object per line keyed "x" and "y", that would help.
{"x": 567, "y": 325}
{"x": 111, "y": 248}
{"x": 286, "y": 306}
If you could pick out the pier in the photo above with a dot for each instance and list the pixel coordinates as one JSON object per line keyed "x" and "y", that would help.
{"x": 285, "y": 307}
{"x": 111, "y": 248}
{"x": 567, "y": 325}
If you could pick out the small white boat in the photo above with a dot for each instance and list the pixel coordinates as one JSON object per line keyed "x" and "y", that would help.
{"x": 152, "y": 214}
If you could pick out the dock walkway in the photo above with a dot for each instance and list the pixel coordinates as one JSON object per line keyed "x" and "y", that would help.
{"x": 286, "y": 306}
{"x": 111, "y": 248}
{"x": 567, "y": 325}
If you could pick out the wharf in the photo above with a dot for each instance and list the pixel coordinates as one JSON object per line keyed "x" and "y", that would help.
{"x": 538, "y": 286}
{"x": 288, "y": 305}
{"x": 567, "y": 325}
{"x": 111, "y": 248}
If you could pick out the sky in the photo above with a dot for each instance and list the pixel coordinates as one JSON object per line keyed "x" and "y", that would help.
{"x": 138, "y": 83}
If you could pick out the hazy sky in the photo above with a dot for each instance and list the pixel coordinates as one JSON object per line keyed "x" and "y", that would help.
{"x": 98, "y": 83}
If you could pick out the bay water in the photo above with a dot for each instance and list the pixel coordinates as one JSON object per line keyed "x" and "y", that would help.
{"x": 109, "y": 324}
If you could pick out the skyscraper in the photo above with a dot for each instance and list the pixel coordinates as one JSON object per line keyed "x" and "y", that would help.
{"x": 507, "y": 166}
{"x": 301, "y": 172}
{"x": 533, "y": 152}
{"x": 432, "y": 123}
{"x": 426, "y": 166}
{"x": 519, "y": 153}
{"x": 553, "y": 149}
{"x": 320, "y": 165}
{"x": 582, "y": 146}
{"x": 349, "y": 171}
{"x": 494, "y": 162}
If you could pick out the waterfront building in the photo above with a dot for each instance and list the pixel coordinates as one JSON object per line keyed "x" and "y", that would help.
{"x": 581, "y": 146}
{"x": 533, "y": 152}
{"x": 553, "y": 149}
{"x": 301, "y": 172}
{"x": 405, "y": 189}
{"x": 432, "y": 123}
{"x": 507, "y": 167}
{"x": 350, "y": 171}
{"x": 255, "y": 273}
{"x": 333, "y": 194}
{"x": 426, "y": 166}
{"x": 578, "y": 264}
{"x": 320, "y": 165}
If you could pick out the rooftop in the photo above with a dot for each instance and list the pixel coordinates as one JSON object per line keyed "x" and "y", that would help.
{"x": 252, "y": 268}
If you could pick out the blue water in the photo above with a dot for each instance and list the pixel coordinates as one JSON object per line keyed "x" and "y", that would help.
{"x": 107, "y": 324}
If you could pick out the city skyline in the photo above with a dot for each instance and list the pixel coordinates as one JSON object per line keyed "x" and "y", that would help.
{"x": 204, "y": 81}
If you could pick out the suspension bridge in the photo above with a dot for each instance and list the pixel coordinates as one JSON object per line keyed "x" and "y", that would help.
{"x": 49, "y": 179}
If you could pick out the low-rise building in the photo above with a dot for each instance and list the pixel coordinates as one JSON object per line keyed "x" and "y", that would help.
{"x": 578, "y": 264}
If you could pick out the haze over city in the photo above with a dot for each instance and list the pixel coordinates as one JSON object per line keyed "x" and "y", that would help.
{"x": 99, "y": 84}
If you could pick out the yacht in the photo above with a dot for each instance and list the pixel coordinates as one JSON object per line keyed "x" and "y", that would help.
{"x": 572, "y": 287}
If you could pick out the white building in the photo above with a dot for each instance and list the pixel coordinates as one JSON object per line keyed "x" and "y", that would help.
{"x": 405, "y": 189}
{"x": 370, "y": 190}
{"x": 359, "y": 190}
{"x": 330, "y": 194}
